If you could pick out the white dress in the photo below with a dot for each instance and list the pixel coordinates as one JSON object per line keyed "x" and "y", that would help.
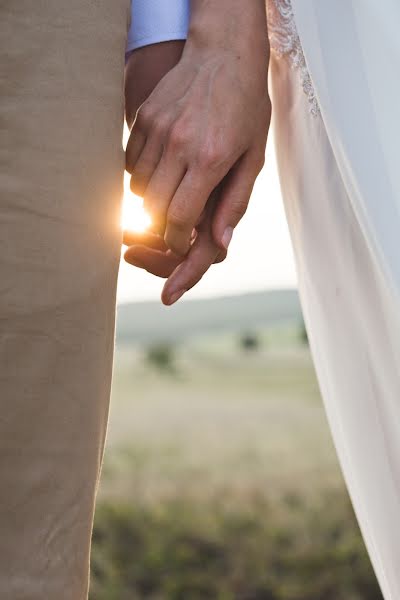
{"x": 335, "y": 91}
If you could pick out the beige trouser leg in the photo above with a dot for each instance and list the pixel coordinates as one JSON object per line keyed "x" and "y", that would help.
{"x": 61, "y": 111}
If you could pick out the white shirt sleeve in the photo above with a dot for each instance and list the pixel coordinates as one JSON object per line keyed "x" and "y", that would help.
{"x": 154, "y": 21}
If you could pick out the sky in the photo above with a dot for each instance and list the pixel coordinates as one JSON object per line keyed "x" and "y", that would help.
{"x": 260, "y": 255}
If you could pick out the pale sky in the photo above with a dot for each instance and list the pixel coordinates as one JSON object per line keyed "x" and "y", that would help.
{"x": 260, "y": 255}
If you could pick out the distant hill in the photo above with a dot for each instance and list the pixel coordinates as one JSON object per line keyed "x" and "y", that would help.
{"x": 151, "y": 321}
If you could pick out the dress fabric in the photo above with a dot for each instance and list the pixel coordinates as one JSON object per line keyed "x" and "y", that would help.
{"x": 336, "y": 126}
{"x": 61, "y": 166}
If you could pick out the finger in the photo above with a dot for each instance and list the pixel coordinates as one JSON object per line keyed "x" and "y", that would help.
{"x": 151, "y": 240}
{"x": 206, "y": 219}
{"x": 202, "y": 255}
{"x": 221, "y": 256}
{"x": 145, "y": 165}
{"x": 161, "y": 189}
{"x": 185, "y": 211}
{"x": 157, "y": 263}
{"x": 234, "y": 198}
{"x": 134, "y": 147}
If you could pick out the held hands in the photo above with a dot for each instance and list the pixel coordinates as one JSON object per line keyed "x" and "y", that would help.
{"x": 197, "y": 144}
{"x": 149, "y": 251}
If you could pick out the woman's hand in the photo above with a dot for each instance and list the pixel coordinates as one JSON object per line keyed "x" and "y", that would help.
{"x": 208, "y": 116}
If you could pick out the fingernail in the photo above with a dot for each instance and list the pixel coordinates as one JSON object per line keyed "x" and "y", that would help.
{"x": 226, "y": 238}
{"x": 175, "y": 297}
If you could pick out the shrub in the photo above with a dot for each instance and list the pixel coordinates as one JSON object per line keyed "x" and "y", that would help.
{"x": 161, "y": 356}
{"x": 249, "y": 341}
{"x": 291, "y": 551}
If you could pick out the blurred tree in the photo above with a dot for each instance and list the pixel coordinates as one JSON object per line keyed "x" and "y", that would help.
{"x": 161, "y": 356}
{"x": 249, "y": 341}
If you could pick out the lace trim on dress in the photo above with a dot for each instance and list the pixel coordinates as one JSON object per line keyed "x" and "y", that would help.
{"x": 285, "y": 41}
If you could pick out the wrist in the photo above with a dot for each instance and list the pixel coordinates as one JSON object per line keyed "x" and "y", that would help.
{"x": 228, "y": 25}
{"x": 241, "y": 40}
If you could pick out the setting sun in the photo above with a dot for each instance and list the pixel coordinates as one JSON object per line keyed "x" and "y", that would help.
{"x": 134, "y": 217}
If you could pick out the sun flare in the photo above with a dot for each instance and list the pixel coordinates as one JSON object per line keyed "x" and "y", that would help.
{"x": 134, "y": 217}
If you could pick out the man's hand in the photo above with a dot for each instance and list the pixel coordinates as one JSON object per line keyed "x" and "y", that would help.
{"x": 205, "y": 122}
{"x": 144, "y": 69}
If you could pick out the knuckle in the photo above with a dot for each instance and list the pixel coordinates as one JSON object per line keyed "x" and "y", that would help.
{"x": 238, "y": 208}
{"x": 260, "y": 162}
{"x": 178, "y": 137}
{"x": 180, "y": 215}
{"x": 159, "y": 126}
{"x": 177, "y": 219}
{"x": 144, "y": 117}
{"x": 220, "y": 257}
{"x": 210, "y": 156}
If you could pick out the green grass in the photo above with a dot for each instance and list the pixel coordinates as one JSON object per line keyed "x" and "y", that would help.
{"x": 220, "y": 481}
{"x": 264, "y": 551}
{"x": 251, "y": 423}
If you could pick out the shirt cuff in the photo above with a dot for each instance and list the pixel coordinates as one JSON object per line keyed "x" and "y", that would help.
{"x": 154, "y": 21}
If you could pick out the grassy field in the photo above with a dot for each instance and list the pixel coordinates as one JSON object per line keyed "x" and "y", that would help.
{"x": 220, "y": 479}
{"x": 222, "y": 419}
